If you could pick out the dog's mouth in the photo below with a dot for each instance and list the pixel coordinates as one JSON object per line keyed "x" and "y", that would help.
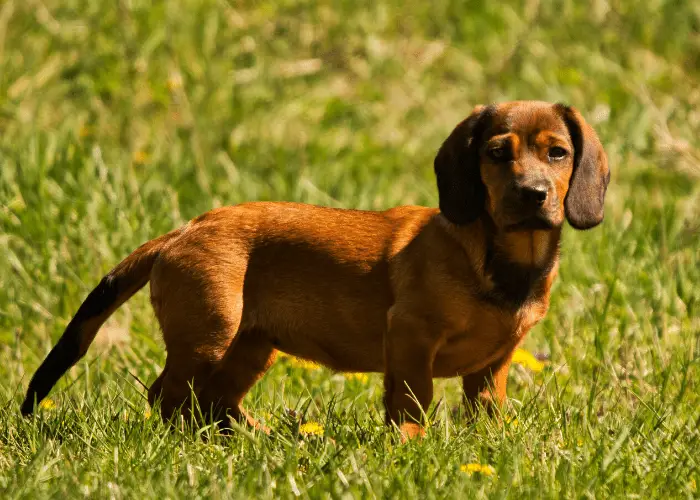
{"x": 535, "y": 222}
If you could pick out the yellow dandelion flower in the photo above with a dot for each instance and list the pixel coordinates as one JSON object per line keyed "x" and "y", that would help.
{"x": 470, "y": 469}
{"x": 311, "y": 429}
{"x": 299, "y": 362}
{"x": 47, "y": 404}
{"x": 513, "y": 422}
{"x": 147, "y": 415}
{"x": 360, "y": 377}
{"x": 526, "y": 359}
{"x": 693, "y": 485}
{"x": 305, "y": 364}
{"x": 174, "y": 82}
{"x": 140, "y": 157}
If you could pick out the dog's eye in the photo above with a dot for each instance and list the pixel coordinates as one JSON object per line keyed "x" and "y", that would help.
{"x": 499, "y": 154}
{"x": 557, "y": 153}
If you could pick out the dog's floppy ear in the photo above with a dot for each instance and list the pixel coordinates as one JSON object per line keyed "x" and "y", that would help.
{"x": 461, "y": 191}
{"x": 584, "y": 204}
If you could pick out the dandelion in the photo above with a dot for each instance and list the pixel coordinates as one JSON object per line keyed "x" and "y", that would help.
{"x": 84, "y": 132}
{"x": 470, "y": 469}
{"x": 360, "y": 377}
{"x": 512, "y": 422}
{"x": 174, "y": 82}
{"x": 47, "y": 404}
{"x": 147, "y": 415}
{"x": 305, "y": 364}
{"x": 693, "y": 485}
{"x": 561, "y": 444}
{"x": 526, "y": 359}
{"x": 140, "y": 157}
{"x": 299, "y": 362}
{"x": 311, "y": 429}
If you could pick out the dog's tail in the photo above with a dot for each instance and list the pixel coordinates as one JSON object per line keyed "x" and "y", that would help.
{"x": 117, "y": 287}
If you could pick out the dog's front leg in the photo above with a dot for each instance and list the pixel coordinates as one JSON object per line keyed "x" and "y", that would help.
{"x": 487, "y": 386}
{"x": 408, "y": 374}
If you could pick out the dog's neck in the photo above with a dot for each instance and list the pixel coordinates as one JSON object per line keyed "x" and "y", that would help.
{"x": 513, "y": 268}
{"x": 519, "y": 263}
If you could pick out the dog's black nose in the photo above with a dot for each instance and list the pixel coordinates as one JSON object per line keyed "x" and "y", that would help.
{"x": 534, "y": 195}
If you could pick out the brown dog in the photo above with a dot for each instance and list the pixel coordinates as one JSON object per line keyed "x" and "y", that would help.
{"x": 412, "y": 292}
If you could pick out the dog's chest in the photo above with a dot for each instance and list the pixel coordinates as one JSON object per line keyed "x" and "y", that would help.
{"x": 484, "y": 337}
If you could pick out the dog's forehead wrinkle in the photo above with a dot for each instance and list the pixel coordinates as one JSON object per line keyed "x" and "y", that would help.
{"x": 526, "y": 121}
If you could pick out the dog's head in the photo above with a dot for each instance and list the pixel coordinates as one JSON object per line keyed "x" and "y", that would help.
{"x": 526, "y": 164}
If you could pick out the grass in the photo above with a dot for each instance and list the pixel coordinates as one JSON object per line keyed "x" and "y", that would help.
{"x": 121, "y": 120}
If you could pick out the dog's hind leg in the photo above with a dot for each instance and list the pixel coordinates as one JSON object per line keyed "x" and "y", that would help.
{"x": 199, "y": 314}
{"x": 247, "y": 359}
{"x": 174, "y": 387}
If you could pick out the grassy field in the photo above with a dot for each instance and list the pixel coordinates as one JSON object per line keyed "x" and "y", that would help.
{"x": 121, "y": 120}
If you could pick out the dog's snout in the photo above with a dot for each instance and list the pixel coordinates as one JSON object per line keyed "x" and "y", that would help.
{"x": 535, "y": 194}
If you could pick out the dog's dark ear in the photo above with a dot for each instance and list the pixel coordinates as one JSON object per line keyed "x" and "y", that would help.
{"x": 584, "y": 204}
{"x": 461, "y": 191}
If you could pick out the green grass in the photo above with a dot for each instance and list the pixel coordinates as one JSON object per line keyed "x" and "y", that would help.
{"x": 121, "y": 120}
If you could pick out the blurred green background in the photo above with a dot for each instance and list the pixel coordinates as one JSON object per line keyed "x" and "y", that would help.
{"x": 121, "y": 120}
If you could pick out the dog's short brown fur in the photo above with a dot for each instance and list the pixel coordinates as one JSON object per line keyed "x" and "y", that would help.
{"x": 412, "y": 292}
